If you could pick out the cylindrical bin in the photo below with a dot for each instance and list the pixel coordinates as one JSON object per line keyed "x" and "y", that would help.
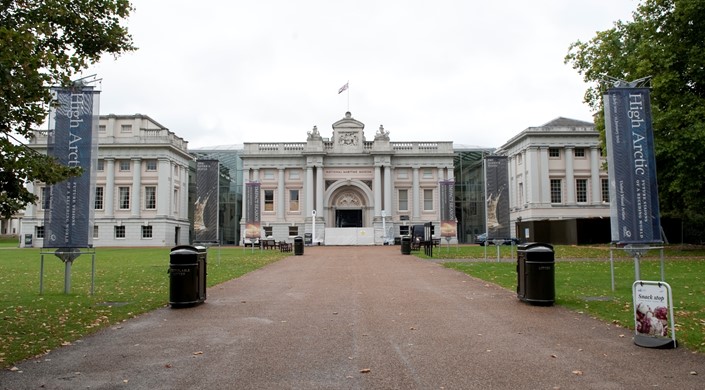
{"x": 187, "y": 275}
{"x": 406, "y": 245}
{"x": 298, "y": 246}
{"x": 536, "y": 274}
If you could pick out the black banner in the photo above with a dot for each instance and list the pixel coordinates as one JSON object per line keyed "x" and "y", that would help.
{"x": 497, "y": 197}
{"x": 252, "y": 213}
{"x": 205, "y": 217}
{"x": 634, "y": 208}
{"x": 73, "y": 141}
{"x": 447, "y": 199}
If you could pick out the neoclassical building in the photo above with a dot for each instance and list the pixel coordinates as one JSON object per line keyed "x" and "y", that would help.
{"x": 344, "y": 189}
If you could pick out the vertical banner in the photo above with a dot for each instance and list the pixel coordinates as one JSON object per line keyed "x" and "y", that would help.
{"x": 205, "y": 217}
{"x": 73, "y": 141}
{"x": 634, "y": 208}
{"x": 496, "y": 197}
{"x": 252, "y": 214}
{"x": 447, "y": 199}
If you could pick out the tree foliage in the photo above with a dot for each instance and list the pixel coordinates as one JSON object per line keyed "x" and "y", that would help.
{"x": 665, "y": 40}
{"x": 45, "y": 43}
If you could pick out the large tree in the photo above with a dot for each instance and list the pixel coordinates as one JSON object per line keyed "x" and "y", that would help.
{"x": 45, "y": 43}
{"x": 666, "y": 41}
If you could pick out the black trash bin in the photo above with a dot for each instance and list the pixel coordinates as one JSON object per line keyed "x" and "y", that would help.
{"x": 406, "y": 245}
{"x": 298, "y": 246}
{"x": 187, "y": 275}
{"x": 536, "y": 274}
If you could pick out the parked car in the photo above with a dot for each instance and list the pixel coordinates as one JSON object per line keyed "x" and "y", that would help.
{"x": 481, "y": 239}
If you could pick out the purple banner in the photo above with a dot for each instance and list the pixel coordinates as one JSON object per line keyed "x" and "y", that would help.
{"x": 73, "y": 141}
{"x": 205, "y": 216}
{"x": 634, "y": 208}
{"x": 447, "y": 199}
{"x": 252, "y": 212}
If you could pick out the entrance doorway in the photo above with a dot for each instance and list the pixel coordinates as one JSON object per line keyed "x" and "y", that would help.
{"x": 348, "y": 218}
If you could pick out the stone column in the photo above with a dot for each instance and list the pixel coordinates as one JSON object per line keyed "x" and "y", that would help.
{"x": 545, "y": 186}
{"x": 110, "y": 187}
{"x": 569, "y": 175}
{"x": 319, "y": 192}
{"x": 388, "y": 191}
{"x": 281, "y": 195}
{"x": 136, "y": 204}
{"x": 309, "y": 196}
{"x": 595, "y": 175}
{"x": 416, "y": 197}
{"x": 377, "y": 189}
{"x": 163, "y": 187}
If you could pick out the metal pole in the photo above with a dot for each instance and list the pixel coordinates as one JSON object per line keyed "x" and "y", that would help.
{"x": 41, "y": 274}
{"x": 67, "y": 277}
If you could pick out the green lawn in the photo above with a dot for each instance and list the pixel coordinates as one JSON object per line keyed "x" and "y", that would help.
{"x": 128, "y": 282}
{"x": 585, "y": 285}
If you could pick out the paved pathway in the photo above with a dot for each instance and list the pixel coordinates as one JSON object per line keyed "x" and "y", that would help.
{"x": 360, "y": 318}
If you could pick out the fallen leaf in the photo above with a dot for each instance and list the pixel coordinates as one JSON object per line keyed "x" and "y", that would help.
{"x": 167, "y": 365}
{"x": 577, "y": 372}
{"x": 14, "y": 369}
{"x": 198, "y": 353}
{"x": 621, "y": 336}
{"x": 693, "y": 373}
{"x": 124, "y": 381}
{"x": 553, "y": 356}
{"x": 365, "y": 370}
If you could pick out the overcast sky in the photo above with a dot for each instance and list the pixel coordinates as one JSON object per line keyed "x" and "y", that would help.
{"x": 472, "y": 72}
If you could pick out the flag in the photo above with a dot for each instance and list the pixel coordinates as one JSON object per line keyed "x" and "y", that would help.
{"x": 343, "y": 88}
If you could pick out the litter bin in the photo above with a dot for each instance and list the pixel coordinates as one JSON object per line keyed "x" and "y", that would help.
{"x": 187, "y": 275}
{"x": 298, "y": 246}
{"x": 406, "y": 245}
{"x": 536, "y": 274}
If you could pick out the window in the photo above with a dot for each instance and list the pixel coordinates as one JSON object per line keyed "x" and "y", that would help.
{"x": 403, "y": 200}
{"x": 151, "y": 165}
{"x": 99, "y": 194}
{"x": 176, "y": 201}
{"x": 556, "y": 191}
{"x": 427, "y": 200}
{"x": 150, "y": 197}
{"x": 579, "y": 152}
{"x": 101, "y": 128}
{"x": 403, "y": 230}
{"x": 124, "y": 165}
{"x": 428, "y": 173}
{"x": 268, "y": 200}
{"x": 293, "y": 230}
{"x": 293, "y": 200}
{"x": 402, "y": 173}
{"x": 268, "y": 174}
{"x": 126, "y": 128}
{"x": 45, "y": 195}
{"x": 581, "y": 190}
{"x": 147, "y": 231}
{"x": 520, "y": 194}
{"x": 39, "y": 231}
{"x": 520, "y": 157}
{"x": 605, "y": 190}
{"x": 294, "y": 174}
{"x": 124, "y": 198}
{"x": 554, "y": 153}
{"x": 119, "y": 232}
{"x": 96, "y": 231}
{"x": 100, "y": 165}
{"x": 267, "y": 231}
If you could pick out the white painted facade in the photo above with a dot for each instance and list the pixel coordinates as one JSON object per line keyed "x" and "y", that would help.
{"x": 350, "y": 182}
{"x": 142, "y": 179}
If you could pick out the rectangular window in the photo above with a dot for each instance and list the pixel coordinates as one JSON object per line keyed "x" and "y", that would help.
{"x": 428, "y": 173}
{"x": 99, "y": 194}
{"x": 176, "y": 201}
{"x": 427, "y": 200}
{"x": 293, "y": 230}
{"x": 124, "y": 198}
{"x": 150, "y": 198}
{"x": 403, "y": 230}
{"x": 402, "y": 173}
{"x": 294, "y": 174}
{"x": 554, "y": 153}
{"x": 581, "y": 190}
{"x": 96, "y": 231}
{"x": 147, "y": 231}
{"x": 293, "y": 200}
{"x": 268, "y": 200}
{"x": 267, "y": 231}
{"x": 268, "y": 174}
{"x": 100, "y": 165}
{"x": 119, "y": 232}
{"x": 579, "y": 152}
{"x": 126, "y": 128}
{"x": 605, "y": 190}
{"x": 403, "y": 200}
{"x": 45, "y": 195}
{"x": 556, "y": 191}
{"x": 101, "y": 128}
{"x": 39, "y": 231}
{"x": 520, "y": 194}
{"x": 124, "y": 165}
{"x": 519, "y": 158}
{"x": 151, "y": 165}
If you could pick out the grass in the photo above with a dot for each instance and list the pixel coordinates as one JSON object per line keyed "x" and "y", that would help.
{"x": 128, "y": 282}
{"x": 585, "y": 285}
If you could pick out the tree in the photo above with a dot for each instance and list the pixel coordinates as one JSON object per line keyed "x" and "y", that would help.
{"x": 665, "y": 40}
{"x": 45, "y": 43}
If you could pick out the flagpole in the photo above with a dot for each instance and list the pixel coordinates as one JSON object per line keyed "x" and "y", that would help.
{"x": 348, "y": 84}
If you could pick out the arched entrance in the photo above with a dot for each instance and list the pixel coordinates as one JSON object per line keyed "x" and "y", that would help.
{"x": 348, "y": 206}
{"x": 349, "y": 212}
